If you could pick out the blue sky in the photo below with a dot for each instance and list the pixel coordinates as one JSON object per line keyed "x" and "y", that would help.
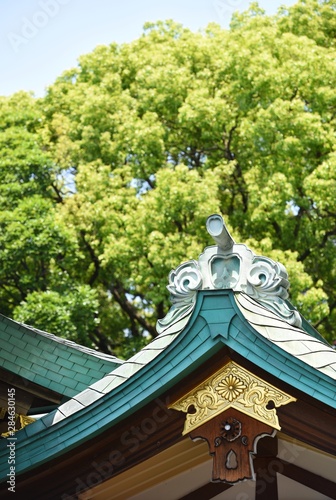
{"x": 39, "y": 39}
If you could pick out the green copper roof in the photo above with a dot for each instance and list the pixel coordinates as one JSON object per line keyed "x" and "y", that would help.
{"x": 50, "y": 361}
{"x": 229, "y": 297}
{"x": 293, "y": 340}
{"x": 216, "y": 320}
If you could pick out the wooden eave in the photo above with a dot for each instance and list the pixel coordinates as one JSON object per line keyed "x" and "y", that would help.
{"x": 63, "y": 452}
{"x": 127, "y": 444}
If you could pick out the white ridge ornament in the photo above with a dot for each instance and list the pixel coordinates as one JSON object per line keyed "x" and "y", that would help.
{"x": 227, "y": 265}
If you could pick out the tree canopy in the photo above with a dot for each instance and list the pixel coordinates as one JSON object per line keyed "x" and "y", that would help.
{"x": 106, "y": 182}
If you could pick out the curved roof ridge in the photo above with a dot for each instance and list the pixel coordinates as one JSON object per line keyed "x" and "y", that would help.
{"x": 108, "y": 382}
{"x": 66, "y": 342}
{"x": 72, "y": 344}
{"x": 160, "y": 365}
{"x": 293, "y": 340}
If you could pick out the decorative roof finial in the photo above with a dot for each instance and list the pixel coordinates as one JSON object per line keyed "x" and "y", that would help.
{"x": 227, "y": 265}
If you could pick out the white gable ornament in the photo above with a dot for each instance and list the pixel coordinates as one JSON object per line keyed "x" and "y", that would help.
{"x": 227, "y": 265}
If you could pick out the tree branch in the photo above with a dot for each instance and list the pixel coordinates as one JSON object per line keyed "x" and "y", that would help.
{"x": 119, "y": 295}
{"x": 93, "y": 256}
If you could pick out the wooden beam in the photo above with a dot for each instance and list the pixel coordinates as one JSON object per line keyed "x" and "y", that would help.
{"x": 266, "y": 482}
{"x": 309, "y": 479}
{"x": 266, "y": 478}
{"x": 310, "y": 424}
{"x": 154, "y": 428}
{"x": 298, "y": 474}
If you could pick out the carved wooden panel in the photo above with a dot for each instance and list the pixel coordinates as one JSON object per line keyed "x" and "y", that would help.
{"x": 232, "y": 437}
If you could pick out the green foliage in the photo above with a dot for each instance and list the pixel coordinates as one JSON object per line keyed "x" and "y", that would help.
{"x": 72, "y": 314}
{"x": 106, "y": 182}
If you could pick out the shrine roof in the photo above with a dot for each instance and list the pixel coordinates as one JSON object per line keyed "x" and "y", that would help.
{"x": 228, "y": 298}
{"x": 50, "y": 361}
